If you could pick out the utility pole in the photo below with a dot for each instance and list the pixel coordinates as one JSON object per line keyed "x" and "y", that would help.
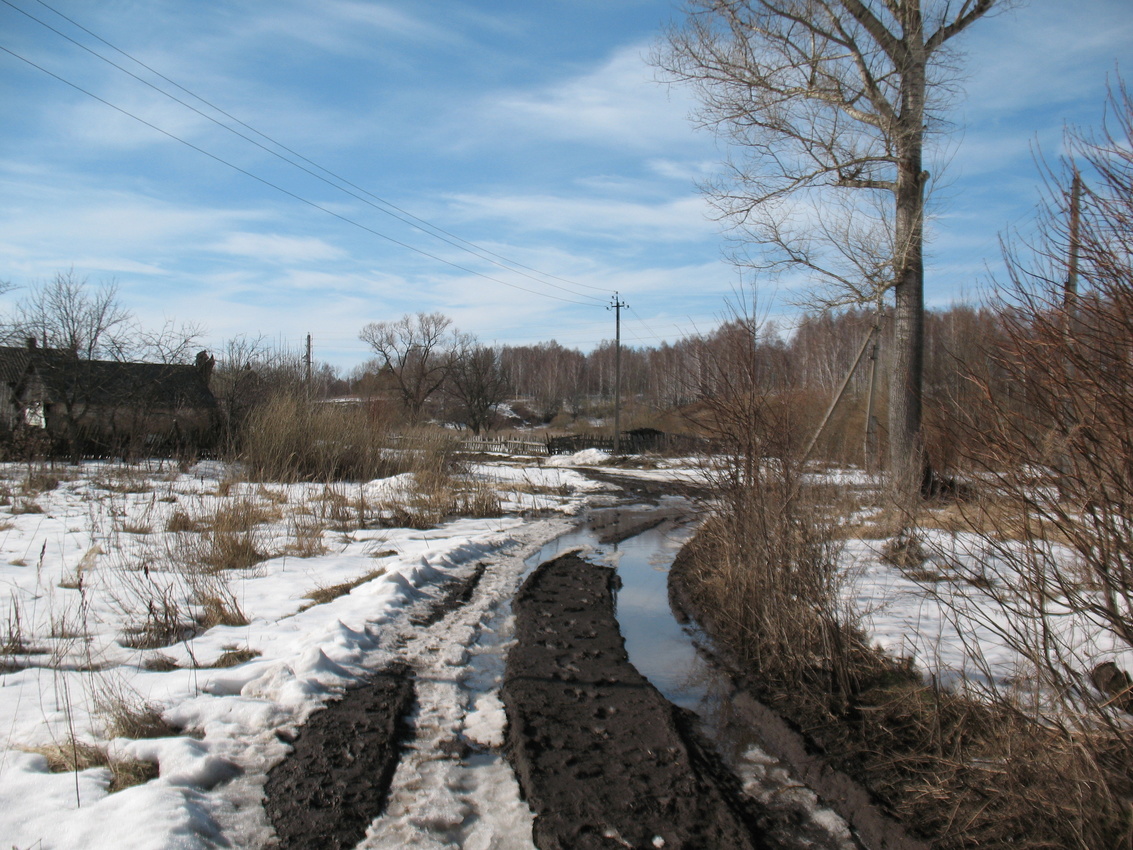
{"x": 617, "y": 308}
{"x": 1070, "y": 290}
{"x": 307, "y": 363}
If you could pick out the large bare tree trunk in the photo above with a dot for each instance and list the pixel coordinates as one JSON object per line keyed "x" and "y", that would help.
{"x": 906, "y": 447}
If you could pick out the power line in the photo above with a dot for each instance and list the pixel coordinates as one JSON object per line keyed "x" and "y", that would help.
{"x": 405, "y": 217}
{"x": 287, "y": 192}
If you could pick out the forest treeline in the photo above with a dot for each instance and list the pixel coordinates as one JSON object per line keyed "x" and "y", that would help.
{"x": 670, "y": 385}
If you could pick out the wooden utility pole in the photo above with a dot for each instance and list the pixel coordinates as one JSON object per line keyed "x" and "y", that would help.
{"x": 307, "y": 363}
{"x": 1070, "y": 291}
{"x": 617, "y": 308}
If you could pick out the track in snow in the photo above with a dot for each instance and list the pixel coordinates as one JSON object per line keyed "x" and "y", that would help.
{"x": 453, "y": 788}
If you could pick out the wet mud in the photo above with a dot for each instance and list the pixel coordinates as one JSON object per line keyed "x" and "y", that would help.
{"x": 335, "y": 782}
{"x": 873, "y": 826}
{"x": 603, "y": 759}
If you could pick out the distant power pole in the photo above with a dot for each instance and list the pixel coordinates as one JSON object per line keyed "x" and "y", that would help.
{"x": 617, "y": 308}
{"x": 1070, "y": 290}
{"x": 307, "y": 363}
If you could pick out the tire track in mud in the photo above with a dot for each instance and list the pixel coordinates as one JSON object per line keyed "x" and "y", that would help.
{"x": 444, "y": 782}
{"x": 335, "y": 781}
{"x": 604, "y": 759}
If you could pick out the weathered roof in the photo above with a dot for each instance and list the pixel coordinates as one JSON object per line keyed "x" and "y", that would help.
{"x": 13, "y": 362}
{"x": 111, "y": 383}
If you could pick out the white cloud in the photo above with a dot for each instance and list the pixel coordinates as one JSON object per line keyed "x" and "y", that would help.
{"x": 678, "y": 219}
{"x": 618, "y": 104}
{"x": 277, "y": 248}
{"x": 1039, "y": 55}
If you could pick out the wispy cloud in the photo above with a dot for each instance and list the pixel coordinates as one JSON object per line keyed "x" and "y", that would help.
{"x": 616, "y": 104}
{"x": 681, "y": 218}
{"x": 277, "y": 248}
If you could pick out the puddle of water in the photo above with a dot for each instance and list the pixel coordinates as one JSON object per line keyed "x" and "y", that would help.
{"x": 658, "y": 646}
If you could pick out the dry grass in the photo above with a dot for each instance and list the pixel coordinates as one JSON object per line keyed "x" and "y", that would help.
{"x": 78, "y": 755}
{"x": 235, "y": 656}
{"x": 180, "y": 521}
{"x": 40, "y": 480}
{"x": 306, "y": 536}
{"x": 124, "y": 714}
{"x": 159, "y": 663}
{"x": 26, "y": 505}
{"x": 289, "y": 438}
{"x": 218, "y": 551}
{"x": 328, "y": 593}
{"x": 219, "y": 609}
{"x": 137, "y": 527}
{"x": 124, "y": 479}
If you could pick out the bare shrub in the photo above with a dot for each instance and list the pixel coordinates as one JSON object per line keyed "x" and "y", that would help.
{"x": 765, "y": 564}
{"x": 1044, "y": 757}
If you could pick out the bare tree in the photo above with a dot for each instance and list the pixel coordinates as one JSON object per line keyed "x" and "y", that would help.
{"x": 829, "y": 102}
{"x": 414, "y": 350}
{"x": 172, "y": 343}
{"x": 67, "y": 314}
{"x": 477, "y": 382}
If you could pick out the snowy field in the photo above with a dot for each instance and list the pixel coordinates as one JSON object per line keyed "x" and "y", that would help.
{"x": 118, "y": 605}
{"x": 130, "y": 639}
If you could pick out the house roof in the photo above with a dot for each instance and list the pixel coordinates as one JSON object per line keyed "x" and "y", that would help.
{"x": 14, "y": 362}
{"x": 111, "y": 383}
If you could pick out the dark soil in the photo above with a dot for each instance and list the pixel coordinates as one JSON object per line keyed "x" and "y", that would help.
{"x": 456, "y": 593}
{"x": 603, "y": 759}
{"x": 652, "y": 490}
{"x": 326, "y": 793}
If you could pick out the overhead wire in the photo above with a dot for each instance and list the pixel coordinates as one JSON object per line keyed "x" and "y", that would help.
{"x": 288, "y": 192}
{"x": 406, "y": 217}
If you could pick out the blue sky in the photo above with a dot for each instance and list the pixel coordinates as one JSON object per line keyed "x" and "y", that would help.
{"x": 535, "y": 130}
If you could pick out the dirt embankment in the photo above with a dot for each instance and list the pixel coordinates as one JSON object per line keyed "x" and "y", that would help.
{"x": 603, "y": 759}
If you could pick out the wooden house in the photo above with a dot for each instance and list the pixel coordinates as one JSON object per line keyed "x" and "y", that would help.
{"x": 105, "y": 406}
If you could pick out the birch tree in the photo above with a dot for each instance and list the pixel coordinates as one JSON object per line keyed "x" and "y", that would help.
{"x": 828, "y": 104}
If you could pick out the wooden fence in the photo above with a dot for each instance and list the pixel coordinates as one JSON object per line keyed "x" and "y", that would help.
{"x": 505, "y": 445}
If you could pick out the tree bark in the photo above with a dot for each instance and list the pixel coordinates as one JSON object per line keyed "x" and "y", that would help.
{"x": 907, "y": 459}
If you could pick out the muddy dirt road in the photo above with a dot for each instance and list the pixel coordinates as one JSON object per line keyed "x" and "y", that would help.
{"x": 591, "y": 755}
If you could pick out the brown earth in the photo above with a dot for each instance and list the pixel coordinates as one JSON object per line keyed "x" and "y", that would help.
{"x": 335, "y": 782}
{"x": 603, "y": 759}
